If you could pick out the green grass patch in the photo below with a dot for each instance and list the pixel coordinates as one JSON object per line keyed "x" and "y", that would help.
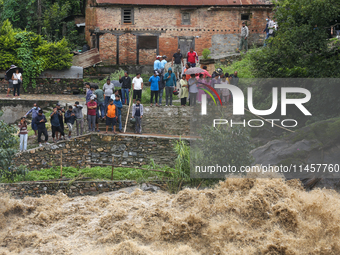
{"x": 244, "y": 67}
{"x": 95, "y": 173}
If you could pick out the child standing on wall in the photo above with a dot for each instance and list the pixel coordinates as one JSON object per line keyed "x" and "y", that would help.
{"x": 111, "y": 116}
{"x": 137, "y": 113}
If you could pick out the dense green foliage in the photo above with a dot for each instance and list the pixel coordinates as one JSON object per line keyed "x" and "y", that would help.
{"x": 45, "y": 17}
{"x": 8, "y": 149}
{"x": 31, "y": 52}
{"x": 8, "y": 46}
{"x": 301, "y": 48}
{"x": 223, "y": 146}
{"x": 324, "y": 133}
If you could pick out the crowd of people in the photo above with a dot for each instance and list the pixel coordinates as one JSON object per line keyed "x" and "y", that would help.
{"x": 190, "y": 86}
{"x": 106, "y": 103}
{"x": 58, "y": 118}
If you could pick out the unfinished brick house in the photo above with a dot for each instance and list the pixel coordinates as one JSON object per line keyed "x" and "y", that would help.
{"x": 132, "y": 32}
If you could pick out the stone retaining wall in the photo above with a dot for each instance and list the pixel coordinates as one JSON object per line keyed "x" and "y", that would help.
{"x": 99, "y": 148}
{"x": 13, "y": 110}
{"x": 228, "y": 60}
{"x": 72, "y": 189}
{"x": 50, "y": 86}
{"x": 132, "y": 69}
{"x": 163, "y": 120}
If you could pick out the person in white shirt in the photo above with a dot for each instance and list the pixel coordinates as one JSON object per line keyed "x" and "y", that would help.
{"x": 17, "y": 80}
{"x": 108, "y": 89}
{"x": 137, "y": 87}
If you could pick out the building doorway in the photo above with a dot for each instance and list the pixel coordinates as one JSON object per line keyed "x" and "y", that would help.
{"x": 185, "y": 43}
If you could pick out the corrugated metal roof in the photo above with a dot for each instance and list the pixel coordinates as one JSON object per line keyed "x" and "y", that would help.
{"x": 87, "y": 59}
{"x": 187, "y": 2}
{"x": 74, "y": 72}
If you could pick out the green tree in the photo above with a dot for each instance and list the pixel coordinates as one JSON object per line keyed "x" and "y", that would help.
{"x": 15, "y": 12}
{"x": 55, "y": 55}
{"x": 223, "y": 146}
{"x": 301, "y": 47}
{"x": 53, "y": 17}
{"x": 31, "y": 63}
{"x": 44, "y": 17}
{"x": 8, "y": 46}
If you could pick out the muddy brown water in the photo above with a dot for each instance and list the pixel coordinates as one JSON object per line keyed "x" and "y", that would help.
{"x": 238, "y": 216}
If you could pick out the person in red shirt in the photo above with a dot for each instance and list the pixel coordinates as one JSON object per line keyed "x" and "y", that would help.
{"x": 192, "y": 57}
{"x": 91, "y": 114}
{"x": 205, "y": 73}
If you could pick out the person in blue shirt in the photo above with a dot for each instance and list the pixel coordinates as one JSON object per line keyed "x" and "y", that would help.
{"x": 162, "y": 64}
{"x": 157, "y": 64}
{"x": 34, "y": 111}
{"x": 154, "y": 86}
{"x": 170, "y": 84}
{"x": 119, "y": 106}
{"x": 89, "y": 93}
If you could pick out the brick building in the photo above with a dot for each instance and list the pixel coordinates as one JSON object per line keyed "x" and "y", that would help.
{"x": 134, "y": 31}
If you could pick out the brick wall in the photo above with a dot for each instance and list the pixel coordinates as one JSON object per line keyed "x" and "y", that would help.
{"x": 217, "y": 30}
{"x": 127, "y": 49}
{"x": 108, "y": 48}
{"x": 147, "y": 57}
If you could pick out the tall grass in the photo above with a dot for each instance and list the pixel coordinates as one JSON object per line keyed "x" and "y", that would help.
{"x": 244, "y": 67}
{"x": 182, "y": 164}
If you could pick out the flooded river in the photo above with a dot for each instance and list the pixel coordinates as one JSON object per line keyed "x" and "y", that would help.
{"x": 239, "y": 216}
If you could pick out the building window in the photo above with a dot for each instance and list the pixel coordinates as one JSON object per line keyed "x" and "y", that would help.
{"x": 147, "y": 42}
{"x": 127, "y": 16}
{"x": 245, "y": 16}
{"x": 185, "y": 18}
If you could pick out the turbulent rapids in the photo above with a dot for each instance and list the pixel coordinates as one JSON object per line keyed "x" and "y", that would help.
{"x": 238, "y": 216}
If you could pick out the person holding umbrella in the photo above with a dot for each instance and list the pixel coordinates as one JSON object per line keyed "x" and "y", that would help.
{"x": 8, "y": 77}
{"x": 17, "y": 80}
{"x": 192, "y": 82}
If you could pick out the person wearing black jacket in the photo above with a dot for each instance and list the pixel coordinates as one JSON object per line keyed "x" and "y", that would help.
{"x": 126, "y": 86}
{"x": 70, "y": 117}
{"x": 60, "y": 111}
{"x": 40, "y": 121}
